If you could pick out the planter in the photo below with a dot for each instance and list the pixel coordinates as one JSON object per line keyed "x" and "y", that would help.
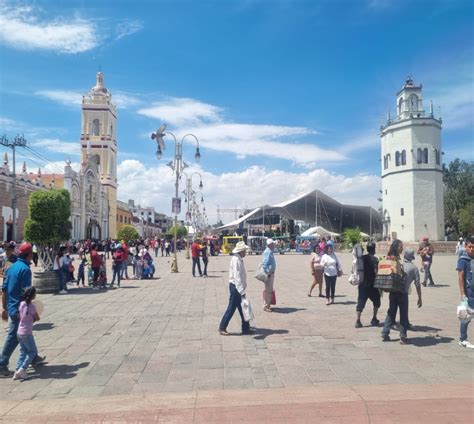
{"x": 45, "y": 281}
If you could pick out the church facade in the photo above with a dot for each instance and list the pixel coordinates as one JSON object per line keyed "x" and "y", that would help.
{"x": 412, "y": 176}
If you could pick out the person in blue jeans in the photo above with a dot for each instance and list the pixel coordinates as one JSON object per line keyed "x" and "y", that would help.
{"x": 18, "y": 278}
{"x": 464, "y": 268}
{"x": 237, "y": 286}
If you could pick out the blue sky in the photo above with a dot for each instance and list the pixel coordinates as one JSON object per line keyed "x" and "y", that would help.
{"x": 284, "y": 96}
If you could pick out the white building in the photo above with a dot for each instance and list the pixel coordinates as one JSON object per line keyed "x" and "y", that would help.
{"x": 412, "y": 178}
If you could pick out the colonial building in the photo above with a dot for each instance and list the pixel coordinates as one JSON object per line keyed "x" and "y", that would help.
{"x": 98, "y": 140}
{"x": 412, "y": 177}
{"x": 124, "y": 216}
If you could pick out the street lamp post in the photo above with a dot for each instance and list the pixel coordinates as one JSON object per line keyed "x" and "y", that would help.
{"x": 188, "y": 193}
{"x": 177, "y": 166}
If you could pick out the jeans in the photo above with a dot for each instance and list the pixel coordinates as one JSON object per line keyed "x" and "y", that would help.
{"x": 268, "y": 290}
{"x": 116, "y": 269}
{"x": 330, "y": 285}
{"x": 61, "y": 278}
{"x": 205, "y": 262}
{"x": 427, "y": 269}
{"x": 465, "y": 323}
{"x": 196, "y": 261}
{"x": 400, "y": 301}
{"x": 124, "y": 271}
{"x": 234, "y": 303}
{"x": 11, "y": 341}
{"x": 28, "y": 351}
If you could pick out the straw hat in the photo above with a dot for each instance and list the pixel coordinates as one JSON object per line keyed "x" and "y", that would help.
{"x": 240, "y": 247}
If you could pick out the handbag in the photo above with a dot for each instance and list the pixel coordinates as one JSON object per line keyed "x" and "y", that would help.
{"x": 261, "y": 275}
{"x": 247, "y": 311}
{"x": 273, "y": 300}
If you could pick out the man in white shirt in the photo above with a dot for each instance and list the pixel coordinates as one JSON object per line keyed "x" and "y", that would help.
{"x": 237, "y": 287}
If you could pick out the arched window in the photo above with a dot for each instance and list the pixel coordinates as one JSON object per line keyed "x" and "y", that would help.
{"x": 385, "y": 162}
{"x": 425, "y": 155}
{"x": 404, "y": 157}
{"x": 95, "y": 127}
{"x": 419, "y": 158}
{"x": 397, "y": 158}
{"x": 413, "y": 103}
{"x": 400, "y": 106}
{"x": 438, "y": 156}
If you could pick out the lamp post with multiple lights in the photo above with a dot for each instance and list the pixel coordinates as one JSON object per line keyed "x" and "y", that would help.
{"x": 177, "y": 165}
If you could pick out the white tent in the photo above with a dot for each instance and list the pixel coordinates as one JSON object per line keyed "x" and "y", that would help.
{"x": 320, "y": 231}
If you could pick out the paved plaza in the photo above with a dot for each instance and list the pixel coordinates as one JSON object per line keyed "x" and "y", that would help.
{"x": 150, "y": 352}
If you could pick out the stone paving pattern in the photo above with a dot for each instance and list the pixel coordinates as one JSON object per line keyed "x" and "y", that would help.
{"x": 160, "y": 336}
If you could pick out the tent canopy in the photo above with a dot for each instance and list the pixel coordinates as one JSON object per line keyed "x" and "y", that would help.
{"x": 319, "y": 231}
{"x": 319, "y": 210}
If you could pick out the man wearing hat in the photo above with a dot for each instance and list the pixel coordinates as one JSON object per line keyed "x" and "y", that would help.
{"x": 18, "y": 278}
{"x": 10, "y": 258}
{"x": 400, "y": 300}
{"x": 269, "y": 267}
{"x": 237, "y": 287}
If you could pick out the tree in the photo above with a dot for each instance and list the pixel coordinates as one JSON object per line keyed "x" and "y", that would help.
{"x": 466, "y": 220}
{"x": 48, "y": 223}
{"x": 181, "y": 232}
{"x": 458, "y": 178}
{"x": 351, "y": 236}
{"x": 127, "y": 232}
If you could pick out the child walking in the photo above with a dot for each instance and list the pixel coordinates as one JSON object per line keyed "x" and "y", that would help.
{"x": 28, "y": 349}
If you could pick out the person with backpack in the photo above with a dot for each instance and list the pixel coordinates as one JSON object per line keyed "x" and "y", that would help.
{"x": 366, "y": 286}
{"x": 399, "y": 299}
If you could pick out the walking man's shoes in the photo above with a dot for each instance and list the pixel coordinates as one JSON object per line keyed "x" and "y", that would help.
{"x": 38, "y": 361}
{"x": 5, "y": 373}
{"x": 405, "y": 341}
{"x": 375, "y": 322}
{"x": 358, "y": 324}
{"x": 467, "y": 344}
{"x": 223, "y": 332}
{"x": 385, "y": 338}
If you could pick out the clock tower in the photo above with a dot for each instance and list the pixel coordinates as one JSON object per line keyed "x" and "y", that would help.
{"x": 98, "y": 138}
{"x": 412, "y": 176}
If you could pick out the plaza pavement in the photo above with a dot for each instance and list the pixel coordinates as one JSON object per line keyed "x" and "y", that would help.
{"x": 150, "y": 352}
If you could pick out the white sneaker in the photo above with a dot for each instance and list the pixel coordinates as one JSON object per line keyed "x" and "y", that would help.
{"x": 467, "y": 344}
{"x": 20, "y": 374}
{"x": 63, "y": 292}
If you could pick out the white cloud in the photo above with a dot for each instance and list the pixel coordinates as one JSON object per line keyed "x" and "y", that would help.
{"x": 182, "y": 112}
{"x": 126, "y": 28}
{"x": 58, "y": 146}
{"x": 457, "y": 104}
{"x": 275, "y": 141}
{"x": 20, "y": 28}
{"x": 121, "y": 99}
{"x": 65, "y": 97}
{"x": 229, "y": 189}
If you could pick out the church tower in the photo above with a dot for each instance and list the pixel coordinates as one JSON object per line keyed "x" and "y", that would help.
{"x": 98, "y": 137}
{"x": 412, "y": 178}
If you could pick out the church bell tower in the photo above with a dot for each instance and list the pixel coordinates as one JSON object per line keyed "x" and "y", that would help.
{"x": 412, "y": 176}
{"x": 98, "y": 137}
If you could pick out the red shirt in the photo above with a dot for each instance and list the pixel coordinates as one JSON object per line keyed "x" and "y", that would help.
{"x": 195, "y": 249}
{"x": 96, "y": 260}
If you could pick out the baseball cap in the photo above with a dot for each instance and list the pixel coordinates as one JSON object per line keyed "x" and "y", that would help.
{"x": 10, "y": 245}
{"x": 25, "y": 249}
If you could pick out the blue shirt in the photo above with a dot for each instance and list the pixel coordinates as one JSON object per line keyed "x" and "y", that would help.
{"x": 268, "y": 261}
{"x": 465, "y": 264}
{"x": 18, "y": 278}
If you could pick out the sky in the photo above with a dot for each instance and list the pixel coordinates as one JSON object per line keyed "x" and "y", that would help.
{"x": 284, "y": 96}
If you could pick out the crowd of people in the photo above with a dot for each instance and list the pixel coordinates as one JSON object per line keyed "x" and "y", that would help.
{"x": 325, "y": 264}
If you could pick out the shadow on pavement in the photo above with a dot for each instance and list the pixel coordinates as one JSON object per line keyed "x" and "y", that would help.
{"x": 128, "y": 287}
{"x": 346, "y": 302}
{"x": 61, "y": 372}
{"x": 262, "y": 333}
{"x": 429, "y": 340}
{"x": 287, "y": 310}
{"x": 436, "y": 286}
{"x": 425, "y": 328}
{"x": 43, "y": 326}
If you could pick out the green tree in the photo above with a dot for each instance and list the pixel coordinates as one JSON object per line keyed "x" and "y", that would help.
{"x": 351, "y": 236}
{"x": 466, "y": 219}
{"x": 458, "y": 178}
{"x": 127, "y": 233}
{"x": 181, "y": 232}
{"x": 48, "y": 223}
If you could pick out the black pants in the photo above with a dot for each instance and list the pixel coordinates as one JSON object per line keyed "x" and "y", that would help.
{"x": 330, "y": 285}
{"x": 197, "y": 261}
{"x": 366, "y": 293}
{"x": 397, "y": 301}
{"x": 205, "y": 262}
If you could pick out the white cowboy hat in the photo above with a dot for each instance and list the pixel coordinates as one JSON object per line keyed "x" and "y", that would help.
{"x": 240, "y": 247}
{"x": 270, "y": 241}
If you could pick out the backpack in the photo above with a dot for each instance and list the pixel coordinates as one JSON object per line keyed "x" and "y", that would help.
{"x": 357, "y": 271}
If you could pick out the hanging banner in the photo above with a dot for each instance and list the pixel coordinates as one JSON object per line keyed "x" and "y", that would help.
{"x": 176, "y": 205}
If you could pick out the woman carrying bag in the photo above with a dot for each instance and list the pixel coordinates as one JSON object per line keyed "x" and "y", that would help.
{"x": 332, "y": 270}
{"x": 237, "y": 287}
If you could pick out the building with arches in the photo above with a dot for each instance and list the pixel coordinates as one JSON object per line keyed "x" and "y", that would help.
{"x": 412, "y": 176}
